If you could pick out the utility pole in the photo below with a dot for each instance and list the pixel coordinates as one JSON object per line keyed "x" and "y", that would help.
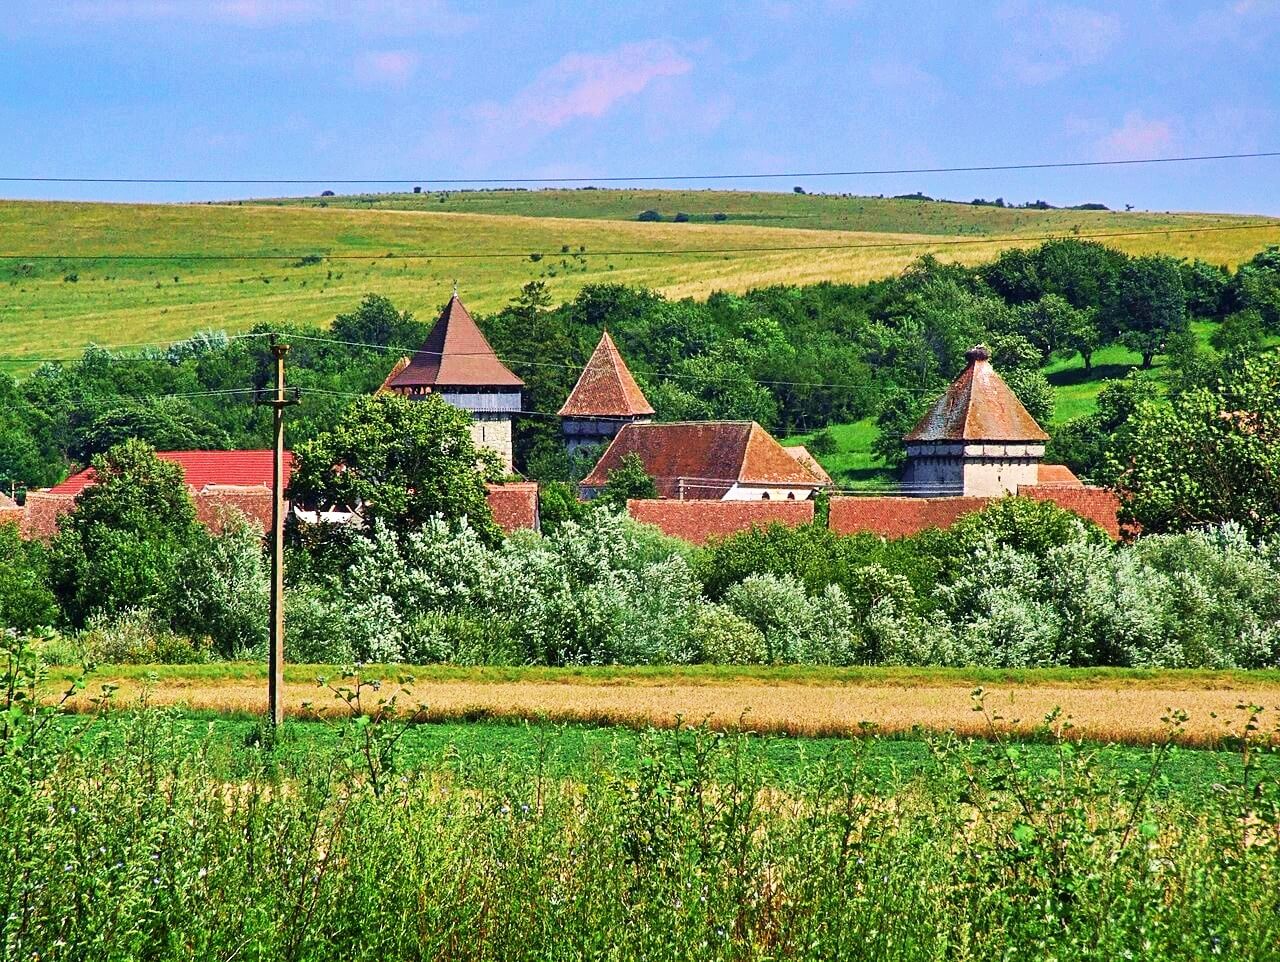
{"x": 275, "y": 653}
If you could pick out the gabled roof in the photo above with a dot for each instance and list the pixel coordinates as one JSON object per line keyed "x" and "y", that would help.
{"x": 801, "y": 454}
{"x": 703, "y": 459}
{"x": 514, "y": 505}
{"x": 978, "y": 406}
{"x": 200, "y": 469}
{"x": 455, "y": 354}
{"x": 605, "y": 387}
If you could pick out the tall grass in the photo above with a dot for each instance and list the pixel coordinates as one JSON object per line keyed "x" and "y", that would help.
{"x": 138, "y": 846}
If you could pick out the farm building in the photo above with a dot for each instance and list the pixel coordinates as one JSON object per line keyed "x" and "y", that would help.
{"x": 227, "y": 483}
{"x": 605, "y": 398}
{"x": 457, "y": 362}
{"x": 710, "y": 461}
{"x": 977, "y": 441}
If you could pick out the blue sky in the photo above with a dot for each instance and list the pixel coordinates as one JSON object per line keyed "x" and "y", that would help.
{"x": 445, "y": 88}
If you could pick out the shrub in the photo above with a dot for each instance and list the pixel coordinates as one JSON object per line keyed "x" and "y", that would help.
{"x": 823, "y": 442}
{"x": 136, "y": 636}
{"x": 222, "y": 591}
{"x": 26, "y": 601}
{"x": 721, "y": 637}
{"x": 681, "y": 217}
{"x": 648, "y": 215}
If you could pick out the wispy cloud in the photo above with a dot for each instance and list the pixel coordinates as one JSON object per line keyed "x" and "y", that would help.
{"x": 386, "y": 68}
{"x": 1050, "y": 40}
{"x": 585, "y": 85}
{"x": 374, "y": 15}
{"x": 1137, "y": 136}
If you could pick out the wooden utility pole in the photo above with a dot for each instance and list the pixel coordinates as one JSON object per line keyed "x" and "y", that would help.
{"x": 275, "y": 653}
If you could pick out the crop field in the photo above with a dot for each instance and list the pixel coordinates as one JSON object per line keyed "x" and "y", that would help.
{"x": 227, "y": 267}
{"x": 1109, "y": 706}
{"x": 181, "y": 837}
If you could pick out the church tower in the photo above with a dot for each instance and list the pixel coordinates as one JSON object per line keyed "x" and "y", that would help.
{"x": 976, "y": 440}
{"x": 456, "y": 362}
{"x": 605, "y": 398}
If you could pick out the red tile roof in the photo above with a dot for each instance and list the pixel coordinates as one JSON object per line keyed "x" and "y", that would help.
{"x": 455, "y": 354}
{"x": 201, "y": 468}
{"x": 605, "y": 387}
{"x": 801, "y": 454}
{"x": 697, "y": 521}
{"x": 514, "y": 505}
{"x": 394, "y": 373}
{"x": 703, "y": 459}
{"x": 898, "y": 517}
{"x": 41, "y": 513}
{"x": 978, "y": 406}
{"x": 218, "y": 504}
{"x": 10, "y": 511}
{"x": 1099, "y": 505}
{"x": 1058, "y": 474}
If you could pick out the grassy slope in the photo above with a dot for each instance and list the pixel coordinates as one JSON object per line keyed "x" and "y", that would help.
{"x": 774, "y": 209}
{"x": 44, "y": 314}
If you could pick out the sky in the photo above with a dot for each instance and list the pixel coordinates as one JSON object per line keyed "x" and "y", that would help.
{"x": 438, "y": 89}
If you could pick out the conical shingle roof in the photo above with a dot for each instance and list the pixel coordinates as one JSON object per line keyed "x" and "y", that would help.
{"x": 455, "y": 354}
{"x": 605, "y": 387}
{"x": 978, "y": 406}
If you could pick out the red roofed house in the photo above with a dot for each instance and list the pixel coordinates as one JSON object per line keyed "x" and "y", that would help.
{"x": 605, "y": 398}
{"x": 976, "y": 444}
{"x": 514, "y": 505}
{"x": 220, "y": 482}
{"x": 456, "y": 362}
{"x": 977, "y": 440}
{"x": 708, "y": 460}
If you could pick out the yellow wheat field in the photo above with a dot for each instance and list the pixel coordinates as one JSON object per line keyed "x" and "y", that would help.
{"x": 1116, "y": 712}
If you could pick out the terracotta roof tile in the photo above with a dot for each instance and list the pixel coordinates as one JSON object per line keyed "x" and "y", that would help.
{"x": 978, "y": 406}
{"x": 898, "y": 517}
{"x": 1099, "y": 505}
{"x": 41, "y": 513}
{"x": 514, "y": 505}
{"x": 605, "y": 387}
{"x": 394, "y": 373}
{"x": 801, "y": 454}
{"x": 455, "y": 354}
{"x": 704, "y": 459}
{"x": 697, "y": 521}
{"x": 1058, "y": 474}
{"x": 201, "y": 468}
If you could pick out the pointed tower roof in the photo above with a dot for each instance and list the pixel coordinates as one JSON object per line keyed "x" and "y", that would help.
{"x": 455, "y": 354}
{"x": 606, "y": 388}
{"x": 978, "y": 406}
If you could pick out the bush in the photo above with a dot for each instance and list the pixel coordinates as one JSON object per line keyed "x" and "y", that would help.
{"x": 26, "y": 600}
{"x": 136, "y": 636}
{"x": 681, "y": 217}
{"x": 796, "y": 628}
{"x": 223, "y": 591}
{"x": 648, "y": 215}
{"x": 721, "y": 637}
{"x": 823, "y": 442}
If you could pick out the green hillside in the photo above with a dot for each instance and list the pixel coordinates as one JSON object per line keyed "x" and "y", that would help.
{"x": 63, "y": 284}
{"x": 772, "y": 209}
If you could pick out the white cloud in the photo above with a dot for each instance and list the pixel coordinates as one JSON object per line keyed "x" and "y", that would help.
{"x": 1137, "y": 137}
{"x": 386, "y": 68}
{"x": 370, "y": 15}
{"x": 1050, "y": 40}
{"x": 585, "y": 85}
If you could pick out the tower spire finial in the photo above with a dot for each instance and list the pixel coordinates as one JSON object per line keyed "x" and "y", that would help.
{"x": 455, "y": 287}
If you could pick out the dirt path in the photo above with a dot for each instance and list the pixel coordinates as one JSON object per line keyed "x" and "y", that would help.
{"x": 1109, "y": 712}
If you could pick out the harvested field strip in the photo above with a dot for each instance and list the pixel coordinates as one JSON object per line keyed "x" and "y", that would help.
{"x": 1129, "y": 714}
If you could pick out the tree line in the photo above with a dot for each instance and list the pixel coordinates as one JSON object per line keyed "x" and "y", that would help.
{"x": 794, "y": 358}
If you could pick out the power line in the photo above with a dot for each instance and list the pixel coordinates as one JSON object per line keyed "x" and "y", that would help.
{"x": 634, "y": 178}
{"x": 943, "y": 241}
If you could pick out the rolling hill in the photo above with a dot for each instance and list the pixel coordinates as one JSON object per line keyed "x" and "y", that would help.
{"x": 65, "y": 279}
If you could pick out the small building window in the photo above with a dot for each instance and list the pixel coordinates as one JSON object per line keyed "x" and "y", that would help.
{"x": 765, "y": 496}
